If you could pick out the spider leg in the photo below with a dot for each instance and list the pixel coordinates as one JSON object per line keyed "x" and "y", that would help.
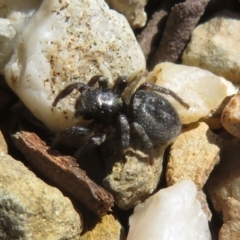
{"x": 102, "y": 81}
{"x": 124, "y": 128}
{"x": 74, "y": 137}
{"x": 79, "y": 86}
{"x": 144, "y": 137}
{"x": 120, "y": 84}
{"x": 90, "y": 145}
{"x": 164, "y": 91}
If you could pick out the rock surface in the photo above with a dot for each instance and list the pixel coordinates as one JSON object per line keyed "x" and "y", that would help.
{"x": 231, "y": 116}
{"x": 134, "y": 177}
{"x": 193, "y": 155}
{"x": 195, "y": 86}
{"x": 231, "y": 215}
{"x": 174, "y": 206}
{"x": 14, "y": 15}
{"x": 68, "y": 42}
{"x": 107, "y": 228}
{"x": 215, "y": 46}
{"x": 224, "y": 181}
{"x": 133, "y": 10}
{"x": 31, "y": 209}
{"x": 3, "y": 144}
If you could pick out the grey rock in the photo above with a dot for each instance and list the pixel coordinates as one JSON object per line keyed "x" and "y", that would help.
{"x": 133, "y": 177}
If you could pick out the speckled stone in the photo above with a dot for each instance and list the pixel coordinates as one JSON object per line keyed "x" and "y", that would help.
{"x": 231, "y": 116}
{"x": 215, "y": 45}
{"x": 31, "y": 209}
{"x": 193, "y": 155}
{"x": 65, "y": 42}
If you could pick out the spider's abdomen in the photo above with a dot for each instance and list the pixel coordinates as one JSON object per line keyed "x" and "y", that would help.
{"x": 156, "y": 115}
{"x": 103, "y": 105}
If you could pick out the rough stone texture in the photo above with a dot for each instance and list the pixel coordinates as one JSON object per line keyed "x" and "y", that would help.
{"x": 231, "y": 116}
{"x": 231, "y": 209}
{"x": 107, "y": 228}
{"x": 171, "y": 213}
{"x": 65, "y": 42}
{"x": 202, "y": 198}
{"x": 193, "y": 155}
{"x": 133, "y": 10}
{"x": 215, "y": 46}
{"x": 224, "y": 181}
{"x": 196, "y": 87}
{"x": 134, "y": 177}
{"x": 231, "y": 216}
{"x": 13, "y": 17}
{"x": 3, "y": 144}
{"x": 31, "y": 209}
{"x": 230, "y": 231}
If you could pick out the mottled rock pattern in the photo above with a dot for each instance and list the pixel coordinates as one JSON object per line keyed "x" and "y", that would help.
{"x": 224, "y": 181}
{"x": 231, "y": 116}
{"x": 65, "y": 42}
{"x": 230, "y": 231}
{"x": 134, "y": 177}
{"x": 193, "y": 155}
{"x": 231, "y": 216}
{"x": 133, "y": 10}
{"x": 215, "y": 46}
{"x": 31, "y": 209}
{"x": 195, "y": 86}
{"x": 107, "y": 228}
{"x": 202, "y": 198}
{"x": 3, "y": 144}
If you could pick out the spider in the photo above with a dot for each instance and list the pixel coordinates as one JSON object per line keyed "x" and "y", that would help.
{"x": 149, "y": 114}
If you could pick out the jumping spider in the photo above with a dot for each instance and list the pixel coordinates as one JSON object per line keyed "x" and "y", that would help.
{"x": 149, "y": 114}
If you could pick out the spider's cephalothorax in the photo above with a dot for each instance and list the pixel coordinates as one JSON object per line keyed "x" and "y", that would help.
{"x": 149, "y": 114}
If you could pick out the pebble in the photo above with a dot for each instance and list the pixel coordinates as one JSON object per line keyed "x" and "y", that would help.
{"x": 195, "y": 86}
{"x": 14, "y": 15}
{"x": 224, "y": 181}
{"x": 173, "y": 206}
{"x": 231, "y": 116}
{"x": 133, "y": 177}
{"x": 230, "y": 229}
{"x": 215, "y": 45}
{"x": 193, "y": 155}
{"x": 31, "y": 209}
{"x": 133, "y": 10}
{"x": 107, "y": 228}
{"x": 67, "y": 42}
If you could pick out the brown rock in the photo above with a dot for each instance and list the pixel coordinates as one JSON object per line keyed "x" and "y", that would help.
{"x": 224, "y": 181}
{"x": 230, "y": 231}
{"x": 231, "y": 209}
{"x": 193, "y": 155}
{"x": 231, "y": 116}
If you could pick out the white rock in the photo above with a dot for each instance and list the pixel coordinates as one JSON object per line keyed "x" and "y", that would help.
{"x": 13, "y": 17}
{"x": 215, "y": 46}
{"x": 69, "y": 41}
{"x": 172, "y": 213}
{"x": 202, "y": 90}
